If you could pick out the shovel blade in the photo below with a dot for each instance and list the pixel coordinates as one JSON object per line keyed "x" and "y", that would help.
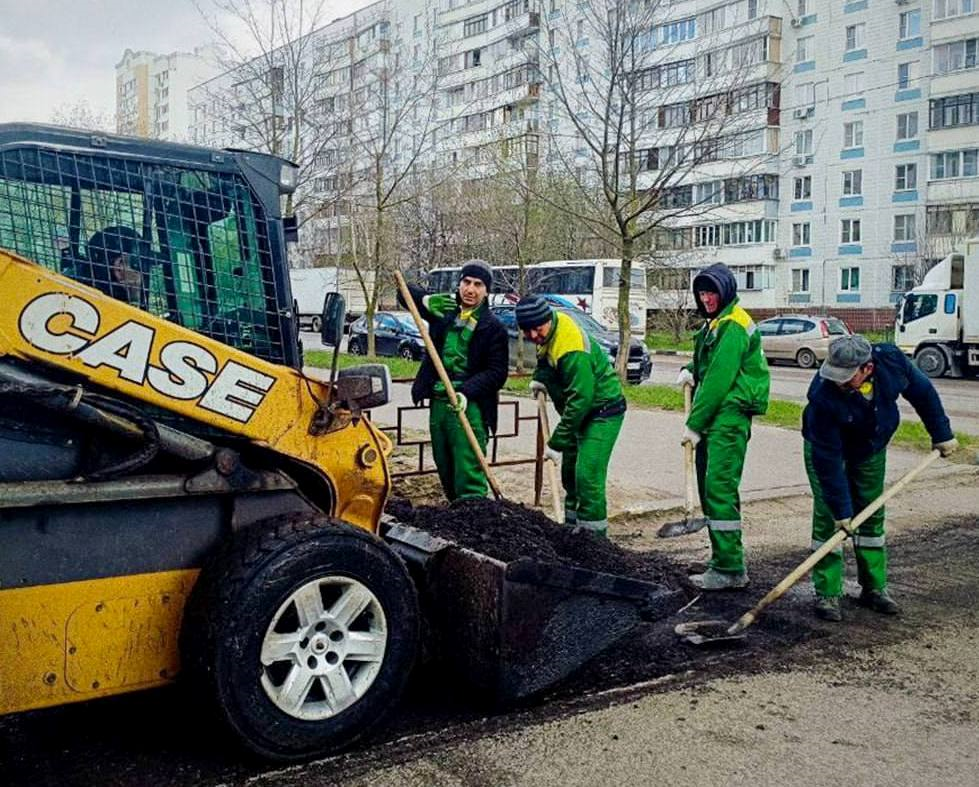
{"x": 682, "y": 528}
{"x": 708, "y": 633}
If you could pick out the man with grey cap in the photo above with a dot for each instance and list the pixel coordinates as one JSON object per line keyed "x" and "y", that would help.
{"x": 850, "y": 418}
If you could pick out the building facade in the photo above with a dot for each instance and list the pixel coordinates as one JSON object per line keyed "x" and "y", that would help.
{"x": 152, "y": 91}
{"x": 844, "y": 164}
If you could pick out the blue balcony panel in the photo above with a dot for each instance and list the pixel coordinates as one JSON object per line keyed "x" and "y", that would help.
{"x": 860, "y": 5}
{"x": 848, "y": 297}
{"x": 907, "y": 146}
{"x": 908, "y": 95}
{"x": 854, "y": 103}
{"x": 854, "y": 54}
{"x": 796, "y": 207}
{"x": 799, "y": 297}
{"x": 849, "y": 249}
{"x": 909, "y": 43}
{"x": 800, "y": 68}
{"x": 905, "y": 196}
{"x": 800, "y": 251}
{"x": 851, "y": 153}
{"x": 851, "y": 202}
{"x": 904, "y": 247}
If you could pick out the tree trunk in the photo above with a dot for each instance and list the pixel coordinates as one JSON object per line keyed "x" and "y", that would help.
{"x": 625, "y": 326}
{"x": 376, "y": 288}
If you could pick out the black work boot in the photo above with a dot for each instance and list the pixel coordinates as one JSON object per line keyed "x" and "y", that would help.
{"x": 828, "y": 608}
{"x": 879, "y": 601}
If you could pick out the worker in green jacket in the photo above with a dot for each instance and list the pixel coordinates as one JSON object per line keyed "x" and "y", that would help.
{"x": 575, "y": 372}
{"x": 730, "y": 378}
{"x": 474, "y": 348}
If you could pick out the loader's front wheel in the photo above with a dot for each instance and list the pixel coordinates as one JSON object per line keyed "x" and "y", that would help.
{"x": 304, "y": 630}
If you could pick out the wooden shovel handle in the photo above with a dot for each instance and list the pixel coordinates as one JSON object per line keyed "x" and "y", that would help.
{"x": 444, "y": 377}
{"x": 688, "y": 455}
{"x": 545, "y": 428}
{"x": 803, "y": 568}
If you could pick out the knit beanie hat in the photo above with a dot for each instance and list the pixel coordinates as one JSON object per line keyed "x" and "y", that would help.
{"x": 532, "y": 312}
{"x": 477, "y": 269}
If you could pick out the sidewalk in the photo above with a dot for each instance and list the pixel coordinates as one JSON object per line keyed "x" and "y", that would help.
{"x": 646, "y": 472}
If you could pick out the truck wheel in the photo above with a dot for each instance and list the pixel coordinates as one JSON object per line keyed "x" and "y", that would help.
{"x": 302, "y": 631}
{"x": 315, "y": 324}
{"x": 806, "y": 358}
{"x": 406, "y": 353}
{"x": 931, "y": 361}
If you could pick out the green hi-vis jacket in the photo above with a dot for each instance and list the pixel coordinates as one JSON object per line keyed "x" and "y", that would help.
{"x": 579, "y": 378}
{"x": 729, "y": 368}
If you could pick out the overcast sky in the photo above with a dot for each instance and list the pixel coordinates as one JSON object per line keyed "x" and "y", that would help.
{"x": 57, "y": 52}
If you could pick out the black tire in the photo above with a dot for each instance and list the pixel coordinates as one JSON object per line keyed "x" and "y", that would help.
{"x": 806, "y": 358}
{"x": 931, "y": 361}
{"x": 406, "y": 352}
{"x": 354, "y": 346}
{"x": 316, "y": 324}
{"x": 247, "y": 601}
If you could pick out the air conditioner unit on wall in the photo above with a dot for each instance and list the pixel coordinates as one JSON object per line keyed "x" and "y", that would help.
{"x": 803, "y": 112}
{"x": 778, "y": 254}
{"x": 800, "y": 161}
{"x": 796, "y": 22}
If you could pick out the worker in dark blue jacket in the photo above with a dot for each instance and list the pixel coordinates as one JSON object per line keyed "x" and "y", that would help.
{"x": 849, "y": 420}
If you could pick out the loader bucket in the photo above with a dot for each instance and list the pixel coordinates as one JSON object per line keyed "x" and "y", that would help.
{"x": 511, "y": 629}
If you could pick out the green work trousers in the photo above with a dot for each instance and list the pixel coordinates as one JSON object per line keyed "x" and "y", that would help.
{"x": 866, "y": 481}
{"x": 720, "y": 462}
{"x": 458, "y": 466}
{"x": 584, "y": 470}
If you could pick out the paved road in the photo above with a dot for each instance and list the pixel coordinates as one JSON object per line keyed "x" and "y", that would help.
{"x": 960, "y": 397}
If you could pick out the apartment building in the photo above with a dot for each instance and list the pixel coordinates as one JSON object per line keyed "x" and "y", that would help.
{"x": 844, "y": 163}
{"x": 152, "y": 89}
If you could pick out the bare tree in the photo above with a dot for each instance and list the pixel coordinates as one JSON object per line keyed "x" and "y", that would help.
{"x": 81, "y": 114}
{"x": 635, "y": 129}
{"x": 394, "y": 112}
{"x": 278, "y": 92}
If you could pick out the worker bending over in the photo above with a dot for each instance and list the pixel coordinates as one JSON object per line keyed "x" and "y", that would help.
{"x": 575, "y": 372}
{"x": 849, "y": 420}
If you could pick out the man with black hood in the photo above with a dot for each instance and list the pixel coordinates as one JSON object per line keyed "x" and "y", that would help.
{"x": 473, "y": 346}
{"x": 113, "y": 264}
{"x": 730, "y": 378}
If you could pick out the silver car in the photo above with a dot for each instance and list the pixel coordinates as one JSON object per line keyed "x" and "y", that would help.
{"x": 803, "y": 338}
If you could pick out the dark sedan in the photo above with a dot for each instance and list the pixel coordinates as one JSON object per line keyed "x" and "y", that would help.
{"x": 639, "y": 368}
{"x": 395, "y": 334}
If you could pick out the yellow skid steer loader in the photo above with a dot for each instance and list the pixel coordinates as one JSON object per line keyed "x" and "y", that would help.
{"x": 176, "y": 496}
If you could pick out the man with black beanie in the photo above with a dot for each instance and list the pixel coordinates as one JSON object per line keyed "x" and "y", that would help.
{"x": 575, "y": 371}
{"x": 473, "y": 346}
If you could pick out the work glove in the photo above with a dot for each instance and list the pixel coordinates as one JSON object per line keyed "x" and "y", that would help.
{"x": 685, "y": 377}
{"x": 554, "y": 456}
{"x": 946, "y": 447}
{"x": 417, "y": 395}
{"x": 536, "y": 387}
{"x": 843, "y": 524}
{"x": 461, "y": 403}
{"x": 690, "y": 436}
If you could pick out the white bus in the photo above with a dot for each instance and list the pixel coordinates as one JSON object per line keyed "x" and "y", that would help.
{"x": 590, "y": 285}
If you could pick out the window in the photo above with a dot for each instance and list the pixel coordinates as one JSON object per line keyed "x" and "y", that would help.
{"x": 475, "y": 26}
{"x": 709, "y": 193}
{"x": 853, "y": 183}
{"x": 907, "y": 73}
{"x": 804, "y": 49}
{"x": 907, "y": 125}
{"x": 803, "y": 142}
{"x": 853, "y": 83}
{"x": 801, "y": 234}
{"x": 918, "y": 305}
{"x": 850, "y": 231}
{"x": 853, "y": 134}
{"x": 905, "y": 177}
{"x": 939, "y": 221}
{"x": 769, "y": 327}
{"x": 803, "y": 187}
{"x": 803, "y": 8}
{"x": 800, "y": 280}
{"x": 752, "y": 9}
{"x": 904, "y": 227}
{"x": 849, "y": 279}
{"x": 954, "y": 164}
{"x": 955, "y": 56}
{"x": 952, "y": 111}
{"x": 944, "y": 9}
{"x": 805, "y": 94}
{"x": 902, "y": 278}
{"x": 473, "y": 58}
{"x": 855, "y": 36}
{"x": 675, "y": 32}
{"x": 909, "y": 24}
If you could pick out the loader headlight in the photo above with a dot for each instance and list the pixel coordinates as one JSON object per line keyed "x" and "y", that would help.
{"x": 364, "y": 387}
{"x": 288, "y": 178}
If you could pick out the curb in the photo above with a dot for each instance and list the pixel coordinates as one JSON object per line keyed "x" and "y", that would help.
{"x": 683, "y": 353}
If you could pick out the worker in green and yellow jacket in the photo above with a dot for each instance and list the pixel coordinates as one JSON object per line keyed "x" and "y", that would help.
{"x": 575, "y": 372}
{"x": 730, "y": 378}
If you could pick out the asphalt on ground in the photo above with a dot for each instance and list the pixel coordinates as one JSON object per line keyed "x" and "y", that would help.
{"x": 872, "y": 701}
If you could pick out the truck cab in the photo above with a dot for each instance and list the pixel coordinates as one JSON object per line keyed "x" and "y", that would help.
{"x": 937, "y": 322}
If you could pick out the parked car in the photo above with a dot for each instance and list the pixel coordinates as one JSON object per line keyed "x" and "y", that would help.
{"x": 803, "y": 338}
{"x": 394, "y": 334}
{"x": 639, "y": 367}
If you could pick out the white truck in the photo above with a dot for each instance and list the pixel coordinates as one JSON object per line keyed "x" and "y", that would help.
{"x": 938, "y": 321}
{"x": 310, "y": 285}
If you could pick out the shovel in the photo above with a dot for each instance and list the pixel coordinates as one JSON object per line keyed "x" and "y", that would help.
{"x": 718, "y": 632}
{"x": 551, "y": 465}
{"x": 449, "y": 390}
{"x": 689, "y": 523}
